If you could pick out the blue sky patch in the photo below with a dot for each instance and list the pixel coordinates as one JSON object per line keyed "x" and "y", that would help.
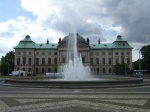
{"x": 12, "y": 9}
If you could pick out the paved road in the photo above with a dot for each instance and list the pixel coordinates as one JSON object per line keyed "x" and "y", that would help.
{"x": 13, "y": 99}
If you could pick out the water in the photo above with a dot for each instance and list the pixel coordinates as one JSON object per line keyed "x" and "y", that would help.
{"x": 75, "y": 69}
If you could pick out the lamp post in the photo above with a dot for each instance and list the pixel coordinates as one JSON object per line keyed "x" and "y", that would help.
{"x": 34, "y": 62}
{"x": 139, "y": 62}
{"x": 0, "y": 67}
{"x": 8, "y": 66}
{"x": 125, "y": 66}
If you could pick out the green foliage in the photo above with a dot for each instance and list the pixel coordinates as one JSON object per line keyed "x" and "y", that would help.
{"x": 136, "y": 65}
{"x": 145, "y": 62}
{"x": 7, "y": 63}
{"x": 121, "y": 69}
{"x": 145, "y": 51}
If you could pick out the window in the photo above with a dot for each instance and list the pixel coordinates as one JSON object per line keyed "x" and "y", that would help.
{"x": 109, "y": 60}
{"x": 37, "y": 53}
{"x": 55, "y": 60}
{"x": 43, "y": 53}
{"x": 49, "y": 60}
{"x": 103, "y": 53}
{"x": 128, "y": 60}
{"x": 97, "y": 53}
{"x": 91, "y": 53}
{"x": 64, "y": 60}
{"x": 24, "y": 61}
{"x": 117, "y": 61}
{"x": 128, "y": 53}
{"x": 37, "y": 61}
{"x": 97, "y": 70}
{"x": 29, "y": 61}
{"x": 91, "y": 61}
{"x": 42, "y": 70}
{"x": 103, "y": 60}
{"x": 37, "y": 70}
{"x": 97, "y": 60}
{"x": 103, "y": 70}
{"x": 24, "y": 69}
{"x": 55, "y": 70}
{"x": 109, "y": 53}
{"x": 24, "y": 53}
{"x": 29, "y": 69}
{"x": 109, "y": 70}
{"x": 116, "y": 53}
{"x": 83, "y": 60}
{"x": 29, "y": 53}
{"x": 55, "y": 53}
{"x": 43, "y": 60}
{"x": 49, "y": 70}
{"x": 18, "y": 61}
{"x": 122, "y": 53}
{"x": 18, "y": 53}
{"x": 122, "y": 60}
{"x": 49, "y": 53}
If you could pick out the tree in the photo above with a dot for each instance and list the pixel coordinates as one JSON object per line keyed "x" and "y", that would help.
{"x": 136, "y": 65}
{"x": 145, "y": 62}
{"x": 7, "y": 63}
{"x": 120, "y": 69}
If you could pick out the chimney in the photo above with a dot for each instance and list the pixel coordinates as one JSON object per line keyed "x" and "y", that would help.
{"x": 47, "y": 41}
{"x": 99, "y": 42}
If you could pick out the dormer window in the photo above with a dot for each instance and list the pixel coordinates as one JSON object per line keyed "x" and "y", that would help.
{"x": 119, "y": 44}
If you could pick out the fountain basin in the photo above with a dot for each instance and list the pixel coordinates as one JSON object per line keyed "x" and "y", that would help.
{"x": 73, "y": 84}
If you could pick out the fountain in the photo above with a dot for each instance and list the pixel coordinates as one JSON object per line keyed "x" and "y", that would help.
{"x": 75, "y": 70}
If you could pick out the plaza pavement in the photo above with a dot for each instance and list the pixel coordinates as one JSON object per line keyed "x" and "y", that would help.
{"x": 129, "y": 99}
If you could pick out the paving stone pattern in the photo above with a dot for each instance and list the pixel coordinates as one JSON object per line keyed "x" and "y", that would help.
{"x": 74, "y": 100}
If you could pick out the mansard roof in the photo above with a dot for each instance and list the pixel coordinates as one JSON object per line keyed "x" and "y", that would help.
{"x": 119, "y": 43}
{"x": 26, "y": 43}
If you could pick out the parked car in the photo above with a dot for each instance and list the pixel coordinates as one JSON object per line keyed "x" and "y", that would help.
{"x": 18, "y": 73}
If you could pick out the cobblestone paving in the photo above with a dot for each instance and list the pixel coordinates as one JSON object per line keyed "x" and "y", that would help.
{"x": 47, "y": 100}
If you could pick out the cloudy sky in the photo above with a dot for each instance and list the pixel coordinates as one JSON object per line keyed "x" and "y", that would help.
{"x": 96, "y": 19}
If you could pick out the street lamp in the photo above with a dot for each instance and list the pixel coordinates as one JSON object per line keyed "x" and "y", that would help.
{"x": 34, "y": 62}
{"x": 8, "y": 66}
{"x": 0, "y": 67}
{"x": 125, "y": 66}
{"x": 139, "y": 62}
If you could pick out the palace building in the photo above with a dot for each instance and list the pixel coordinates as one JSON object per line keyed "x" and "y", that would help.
{"x": 42, "y": 58}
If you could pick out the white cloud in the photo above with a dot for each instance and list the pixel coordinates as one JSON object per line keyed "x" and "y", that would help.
{"x": 12, "y": 31}
{"x": 57, "y": 18}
